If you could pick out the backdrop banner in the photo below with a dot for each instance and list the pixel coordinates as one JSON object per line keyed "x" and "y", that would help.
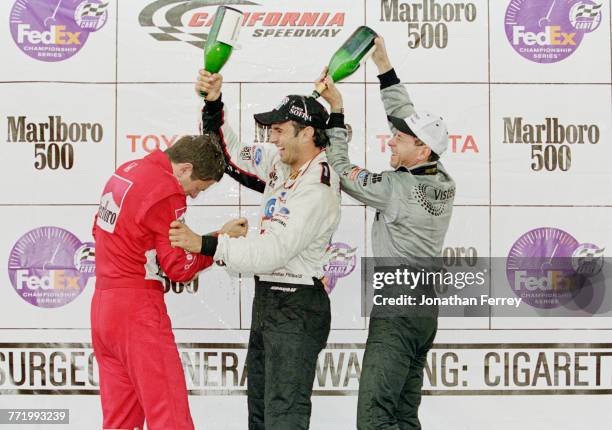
{"x": 525, "y": 87}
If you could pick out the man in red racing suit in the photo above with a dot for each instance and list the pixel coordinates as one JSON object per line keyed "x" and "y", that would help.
{"x": 139, "y": 365}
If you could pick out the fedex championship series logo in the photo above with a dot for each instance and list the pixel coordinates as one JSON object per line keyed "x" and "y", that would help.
{"x": 49, "y": 267}
{"x": 55, "y": 30}
{"x": 548, "y": 31}
{"x": 547, "y": 267}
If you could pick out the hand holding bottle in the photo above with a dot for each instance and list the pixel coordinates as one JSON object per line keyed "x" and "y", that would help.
{"x": 380, "y": 57}
{"x": 330, "y": 92}
{"x": 209, "y": 84}
{"x": 347, "y": 59}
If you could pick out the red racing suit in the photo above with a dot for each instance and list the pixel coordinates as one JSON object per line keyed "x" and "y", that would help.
{"x": 140, "y": 370}
{"x": 138, "y": 204}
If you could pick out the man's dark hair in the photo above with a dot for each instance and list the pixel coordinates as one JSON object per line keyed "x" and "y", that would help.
{"x": 203, "y": 152}
{"x": 320, "y": 137}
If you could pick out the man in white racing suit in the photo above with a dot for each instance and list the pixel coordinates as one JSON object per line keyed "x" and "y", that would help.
{"x": 300, "y": 211}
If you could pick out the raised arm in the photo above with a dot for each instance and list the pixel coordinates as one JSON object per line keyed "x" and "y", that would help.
{"x": 373, "y": 189}
{"x": 394, "y": 95}
{"x": 247, "y": 164}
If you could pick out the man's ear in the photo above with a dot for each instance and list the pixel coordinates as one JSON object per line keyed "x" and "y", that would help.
{"x": 185, "y": 169}
{"x": 308, "y": 132}
{"x": 425, "y": 152}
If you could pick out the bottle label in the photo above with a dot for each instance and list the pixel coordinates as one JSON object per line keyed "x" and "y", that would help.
{"x": 230, "y": 27}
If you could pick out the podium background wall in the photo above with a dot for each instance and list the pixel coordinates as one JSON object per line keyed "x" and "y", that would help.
{"x": 127, "y": 86}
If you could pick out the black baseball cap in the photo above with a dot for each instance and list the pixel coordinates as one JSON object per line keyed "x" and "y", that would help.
{"x": 304, "y": 110}
{"x": 400, "y": 124}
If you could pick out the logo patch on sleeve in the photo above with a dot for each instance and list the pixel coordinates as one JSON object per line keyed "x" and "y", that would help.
{"x": 111, "y": 202}
{"x": 180, "y": 213}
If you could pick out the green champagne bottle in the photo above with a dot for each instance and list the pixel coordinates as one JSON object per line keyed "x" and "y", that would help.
{"x": 221, "y": 39}
{"x": 347, "y": 59}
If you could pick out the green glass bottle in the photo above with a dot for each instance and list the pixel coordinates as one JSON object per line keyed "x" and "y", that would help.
{"x": 348, "y": 57}
{"x": 221, "y": 39}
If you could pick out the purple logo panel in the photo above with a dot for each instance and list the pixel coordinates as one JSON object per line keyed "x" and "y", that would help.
{"x": 548, "y": 31}
{"x": 55, "y": 30}
{"x": 547, "y": 267}
{"x": 49, "y": 267}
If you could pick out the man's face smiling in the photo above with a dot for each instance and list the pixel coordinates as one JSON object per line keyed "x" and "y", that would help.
{"x": 283, "y": 135}
{"x": 407, "y": 150}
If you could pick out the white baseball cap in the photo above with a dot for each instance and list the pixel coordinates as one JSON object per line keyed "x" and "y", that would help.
{"x": 429, "y": 128}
